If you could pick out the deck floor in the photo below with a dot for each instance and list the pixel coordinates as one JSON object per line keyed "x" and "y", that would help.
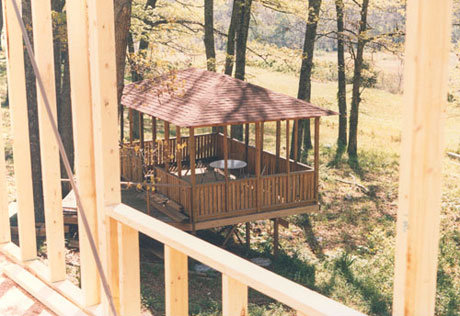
{"x": 14, "y": 300}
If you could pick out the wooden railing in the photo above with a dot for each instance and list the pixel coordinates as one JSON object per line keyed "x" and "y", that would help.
{"x": 131, "y": 164}
{"x": 179, "y": 192}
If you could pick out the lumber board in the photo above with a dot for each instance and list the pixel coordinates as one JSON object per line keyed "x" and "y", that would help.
{"x": 234, "y": 297}
{"x": 176, "y": 282}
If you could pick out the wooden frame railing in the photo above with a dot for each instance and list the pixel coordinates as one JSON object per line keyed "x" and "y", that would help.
{"x": 180, "y": 191}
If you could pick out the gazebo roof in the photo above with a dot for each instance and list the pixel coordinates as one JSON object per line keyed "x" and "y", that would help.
{"x": 203, "y": 98}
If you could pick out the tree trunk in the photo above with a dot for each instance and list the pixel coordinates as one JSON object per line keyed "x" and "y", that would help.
{"x": 209, "y": 35}
{"x": 304, "y": 92}
{"x": 33, "y": 120}
{"x": 342, "y": 85}
{"x": 242, "y": 31}
{"x": 229, "y": 58}
{"x": 1, "y": 22}
{"x": 144, "y": 44}
{"x": 356, "y": 95}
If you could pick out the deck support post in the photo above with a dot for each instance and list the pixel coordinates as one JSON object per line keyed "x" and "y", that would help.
{"x": 428, "y": 42}
{"x": 257, "y": 164}
{"x": 316, "y": 162}
{"x": 141, "y": 128}
{"x": 191, "y": 145}
{"x": 227, "y": 200}
{"x": 278, "y": 145}
{"x": 248, "y": 235}
{"x": 288, "y": 165}
{"x": 276, "y": 237}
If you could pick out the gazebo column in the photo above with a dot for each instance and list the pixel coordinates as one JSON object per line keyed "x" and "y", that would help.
{"x": 296, "y": 139}
{"x": 278, "y": 145}
{"x": 257, "y": 157}
{"x": 130, "y": 113}
{"x": 288, "y": 165}
{"x": 262, "y": 146}
{"x": 316, "y": 163}
{"x": 246, "y": 141}
{"x": 122, "y": 124}
{"x": 179, "y": 151}
{"x": 154, "y": 141}
{"x": 227, "y": 201}
{"x": 191, "y": 144}
{"x": 166, "y": 146}
{"x": 141, "y": 128}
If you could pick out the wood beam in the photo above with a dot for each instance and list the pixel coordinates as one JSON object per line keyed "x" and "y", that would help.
{"x": 234, "y": 297}
{"x": 428, "y": 42}
{"x": 20, "y": 132}
{"x": 176, "y": 282}
{"x": 226, "y": 167}
{"x": 82, "y": 113}
{"x": 50, "y": 162}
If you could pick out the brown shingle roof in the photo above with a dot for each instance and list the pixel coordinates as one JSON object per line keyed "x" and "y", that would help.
{"x": 204, "y": 98}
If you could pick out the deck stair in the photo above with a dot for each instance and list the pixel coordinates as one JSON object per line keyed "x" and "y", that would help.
{"x": 168, "y": 207}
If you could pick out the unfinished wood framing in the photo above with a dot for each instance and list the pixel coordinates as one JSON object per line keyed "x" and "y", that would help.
{"x": 20, "y": 132}
{"x": 176, "y": 282}
{"x": 5, "y": 234}
{"x": 234, "y": 297}
{"x": 50, "y": 162}
{"x": 428, "y": 34}
{"x": 82, "y": 116}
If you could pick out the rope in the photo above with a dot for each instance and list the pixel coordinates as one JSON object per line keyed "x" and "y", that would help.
{"x": 65, "y": 160}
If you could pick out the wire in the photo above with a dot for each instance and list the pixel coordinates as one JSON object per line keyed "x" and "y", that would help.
{"x": 65, "y": 160}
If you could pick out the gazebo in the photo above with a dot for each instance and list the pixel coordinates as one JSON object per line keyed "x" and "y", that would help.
{"x": 192, "y": 193}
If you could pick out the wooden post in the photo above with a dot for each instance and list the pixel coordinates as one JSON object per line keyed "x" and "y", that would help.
{"x": 141, "y": 128}
{"x": 257, "y": 164}
{"x": 179, "y": 151}
{"x": 226, "y": 167}
{"x": 234, "y": 297}
{"x": 191, "y": 145}
{"x": 51, "y": 175}
{"x": 166, "y": 146}
{"x": 246, "y": 141}
{"x": 428, "y": 33}
{"x": 288, "y": 165}
{"x": 248, "y": 235}
{"x": 278, "y": 145}
{"x": 130, "y": 279}
{"x": 107, "y": 160}
{"x": 296, "y": 137}
{"x": 154, "y": 141}
{"x": 176, "y": 282}
{"x": 122, "y": 124}
{"x": 5, "y": 233}
{"x": 276, "y": 237}
{"x": 20, "y": 132}
{"x": 82, "y": 116}
{"x": 262, "y": 146}
{"x": 316, "y": 163}
{"x": 130, "y": 114}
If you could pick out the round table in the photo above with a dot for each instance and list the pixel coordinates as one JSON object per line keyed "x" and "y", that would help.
{"x": 231, "y": 164}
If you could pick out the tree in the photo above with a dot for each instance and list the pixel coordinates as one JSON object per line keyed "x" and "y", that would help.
{"x": 242, "y": 31}
{"x": 357, "y": 80}
{"x": 230, "y": 56}
{"x": 209, "y": 35}
{"x": 304, "y": 92}
{"x": 342, "y": 92}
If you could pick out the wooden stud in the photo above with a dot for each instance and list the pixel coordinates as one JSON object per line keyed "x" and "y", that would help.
{"x": 316, "y": 163}
{"x": 234, "y": 297}
{"x": 226, "y": 167}
{"x": 51, "y": 173}
{"x": 278, "y": 145}
{"x": 105, "y": 114}
{"x": 130, "y": 279}
{"x": 258, "y": 165}
{"x": 5, "y": 233}
{"x": 191, "y": 146}
{"x": 82, "y": 112}
{"x": 176, "y": 282}
{"x": 20, "y": 132}
{"x": 428, "y": 42}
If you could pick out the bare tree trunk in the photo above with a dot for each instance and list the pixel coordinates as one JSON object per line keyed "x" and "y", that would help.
{"x": 209, "y": 35}
{"x": 242, "y": 32}
{"x": 342, "y": 88}
{"x": 304, "y": 92}
{"x": 229, "y": 58}
{"x": 356, "y": 95}
{"x": 33, "y": 120}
